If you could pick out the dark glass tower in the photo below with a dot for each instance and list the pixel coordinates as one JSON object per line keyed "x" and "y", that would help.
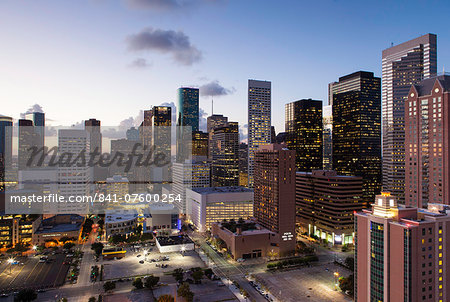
{"x": 225, "y": 155}
{"x": 304, "y": 133}
{"x": 357, "y": 130}
{"x": 188, "y": 108}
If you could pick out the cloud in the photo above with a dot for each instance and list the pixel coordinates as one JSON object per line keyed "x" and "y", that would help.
{"x": 33, "y": 108}
{"x": 243, "y": 133}
{"x": 140, "y": 63}
{"x": 166, "y": 5}
{"x": 215, "y": 89}
{"x": 202, "y": 120}
{"x": 174, "y": 43}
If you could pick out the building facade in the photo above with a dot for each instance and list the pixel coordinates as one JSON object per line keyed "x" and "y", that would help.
{"x": 325, "y": 204}
{"x": 401, "y": 252}
{"x": 305, "y": 133}
{"x": 427, "y": 142}
{"x": 327, "y": 113}
{"x": 274, "y": 190}
{"x": 357, "y": 130}
{"x": 225, "y": 155}
{"x": 259, "y": 120}
{"x": 403, "y": 65}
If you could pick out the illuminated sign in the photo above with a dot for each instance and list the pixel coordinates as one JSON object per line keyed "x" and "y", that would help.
{"x": 287, "y": 236}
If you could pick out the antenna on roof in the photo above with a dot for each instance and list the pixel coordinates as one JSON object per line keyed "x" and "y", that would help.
{"x": 212, "y": 106}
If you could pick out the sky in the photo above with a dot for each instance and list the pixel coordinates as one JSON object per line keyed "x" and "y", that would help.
{"x": 110, "y": 59}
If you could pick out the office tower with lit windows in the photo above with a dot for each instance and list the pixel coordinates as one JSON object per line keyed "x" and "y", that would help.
{"x": 200, "y": 144}
{"x": 225, "y": 155}
{"x": 38, "y": 119}
{"x": 259, "y": 120}
{"x": 188, "y": 116}
{"x": 161, "y": 122}
{"x": 6, "y": 132}
{"x": 403, "y": 65}
{"x": 274, "y": 194}
{"x": 243, "y": 164}
{"x": 93, "y": 127}
{"x": 212, "y": 122}
{"x": 401, "y": 252}
{"x": 325, "y": 204}
{"x": 327, "y": 113}
{"x": 427, "y": 142}
{"x": 357, "y": 130}
{"x": 27, "y": 140}
{"x": 304, "y": 133}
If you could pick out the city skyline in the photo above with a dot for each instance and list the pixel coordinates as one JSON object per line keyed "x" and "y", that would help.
{"x": 103, "y": 67}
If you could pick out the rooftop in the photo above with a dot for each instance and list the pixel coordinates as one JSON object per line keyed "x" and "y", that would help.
{"x": 210, "y": 190}
{"x": 173, "y": 240}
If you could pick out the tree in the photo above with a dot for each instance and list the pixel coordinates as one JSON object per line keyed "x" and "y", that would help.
{"x": 178, "y": 274}
{"x": 350, "y": 263}
{"x": 138, "y": 283}
{"x": 68, "y": 245}
{"x": 109, "y": 285}
{"x": 92, "y": 299}
{"x": 25, "y": 295}
{"x": 208, "y": 273}
{"x": 185, "y": 291}
{"x": 138, "y": 230}
{"x": 151, "y": 281}
{"x": 64, "y": 239}
{"x": 97, "y": 247}
{"x": 166, "y": 298}
{"x": 197, "y": 275}
{"x": 346, "y": 284}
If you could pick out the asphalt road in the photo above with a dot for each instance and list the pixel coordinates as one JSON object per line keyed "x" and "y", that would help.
{"x": 33, "y": 274}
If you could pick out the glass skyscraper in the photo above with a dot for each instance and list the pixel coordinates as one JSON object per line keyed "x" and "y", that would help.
{"x": 403, "y": 65}
{"x": 188, "y": 108}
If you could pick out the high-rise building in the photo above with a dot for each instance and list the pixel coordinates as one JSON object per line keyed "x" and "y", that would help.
{"x": 274, "y": 194}
{"x": 304, "y": 133}
{"x": 93, "y": 127}
{"x": 161, "y": 122}
{"x": 133, "y": 134}
{"x": 357, "y": 130}
{"x": 400, "y": 252}
{"x": 243, "y": 164}
{"x": 27, "y": 141}
{"x": 325, "y": 204}
{"x": 427, "y": 142}
{"x": 273, "y": 135}
{"x": 225, "y": 155}
{"x": 327, "y": 113}
{"x": 200, "y": 144}
{"x": 212, "y": 122}
{"x": 38, "y": 119}
{"x": 6, "y": 123}
{"x": 188, "y": 108}
{"x": 259, "y": 119}
{"x": 403, "y": 65}
{"x": 74, "y": 178}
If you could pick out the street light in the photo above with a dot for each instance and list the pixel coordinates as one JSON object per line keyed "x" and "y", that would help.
{"x": 145, "y": 255}
{"x": 336, "y": 276}
{"x": 183, "y": 248}
{"x": 34, "y": 247}
{"x": 10, "y": 261}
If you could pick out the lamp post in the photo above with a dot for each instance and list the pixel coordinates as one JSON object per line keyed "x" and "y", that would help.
{"x": 336, "y": 276}
{"x": 10, "y": 261}
{"x": 145, "y": 255}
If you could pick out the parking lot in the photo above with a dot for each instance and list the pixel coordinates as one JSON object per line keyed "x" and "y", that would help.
{"x": 315, "y": 284}
{"x": 132, "y": 265}
{"x": 28, "y": 272}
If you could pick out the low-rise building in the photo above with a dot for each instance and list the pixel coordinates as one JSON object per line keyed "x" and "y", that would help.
{"x": 52, "y": 229}
{"x": 245, "y": 240}
{"x": 17, "y": 229}
{"x": 170, "y": 244}
{"x": 214, "y": 204}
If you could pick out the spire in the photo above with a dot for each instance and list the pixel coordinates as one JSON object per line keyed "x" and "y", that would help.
{"x": 212, "y": 106}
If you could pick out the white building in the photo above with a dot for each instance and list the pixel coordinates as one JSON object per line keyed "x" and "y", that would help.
{"x": 74, "y": 175}
{"x": 208, "y": 205}
{"x": 259, "y": 120}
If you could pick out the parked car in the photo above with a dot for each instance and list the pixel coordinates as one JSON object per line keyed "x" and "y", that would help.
{"x": 141, "y": 262}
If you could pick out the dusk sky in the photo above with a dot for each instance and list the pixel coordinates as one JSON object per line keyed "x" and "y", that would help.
{"x": 110, "y": 59}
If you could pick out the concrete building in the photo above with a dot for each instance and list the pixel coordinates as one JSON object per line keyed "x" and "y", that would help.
{"x": 95, "y": 134}
{"x": 17, "y": 229}
{"x": 172, "y": 244}
{"x": 121, "y": 222}
{"x": 357, "y": 130}
{"x": 274, "y": 189}
{"x": 305, "y": 133}
{"x": 208, "y": 205}
{"x": 245, "y": 240}
{"x": 427, "y": 142}
{"x": 259, "y": 120}
{"x": 403, "y": 65}
{"x": 402, "y": 253}
{"x": 58, "y": 226}
{"x": 325, "y": 204}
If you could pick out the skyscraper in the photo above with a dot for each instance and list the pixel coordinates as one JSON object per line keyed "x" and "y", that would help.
{"x": 6, "y": 123}
{"x": 403, "y": 65}
{"x": 274, "y": 194}
{"x": 225, "y": 155}
{"x": 93, "y": 127}
{"x": 38, "y": 119}
{"x": 427, "y": 142}
{"x": 27, "y": 140}
{"x": 400, "y": 253}
{"x": 200, "y": 144}
{"x": 327, "y": 113}
{"x": 212, "y": 122}
{"x": 357, "y": 130}
{"x": 259, "y": 120}
{"x": 188, "y": 108}
{"x": 304, "y": 133}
